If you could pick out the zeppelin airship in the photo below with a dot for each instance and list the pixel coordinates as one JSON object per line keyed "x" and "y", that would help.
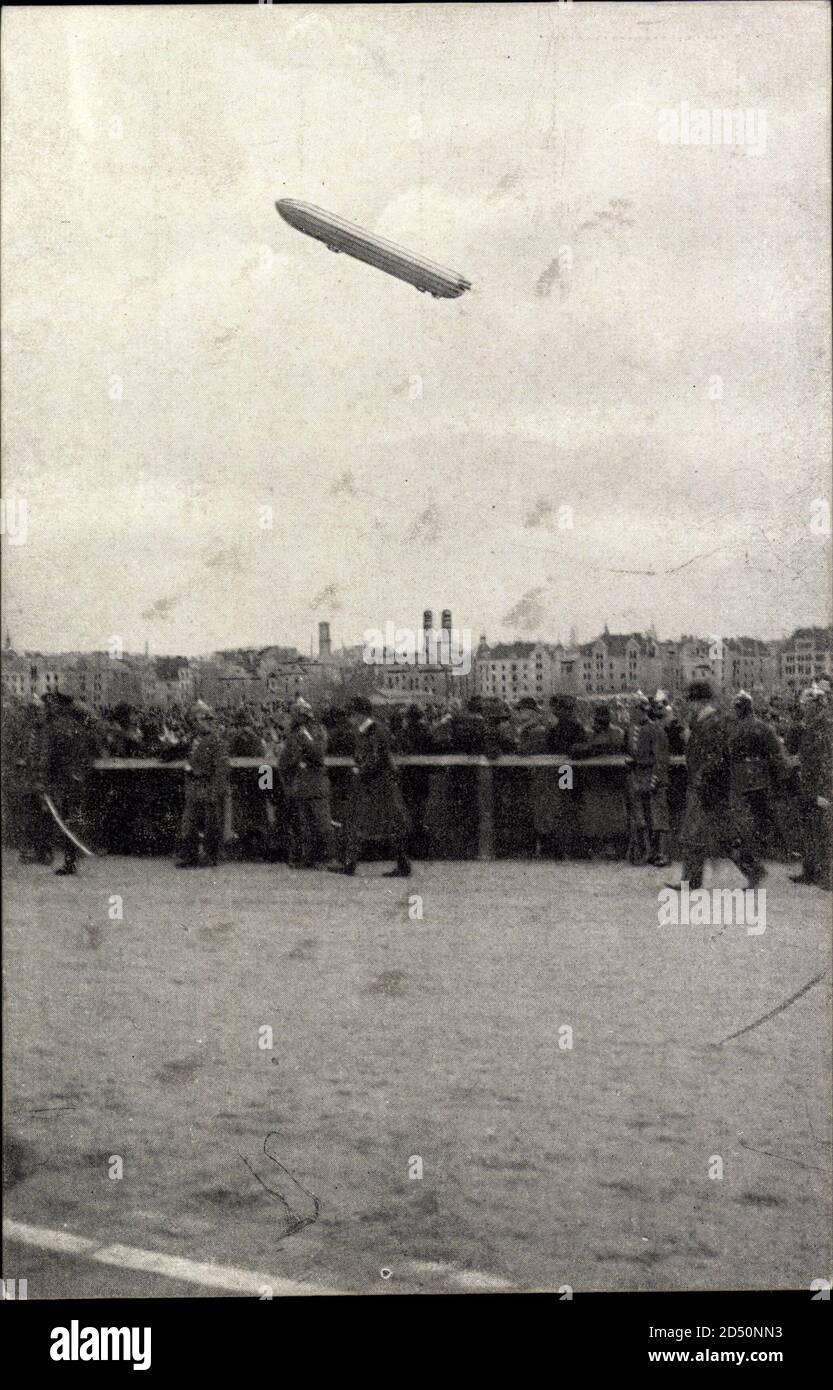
{"x": 340, "y": 235}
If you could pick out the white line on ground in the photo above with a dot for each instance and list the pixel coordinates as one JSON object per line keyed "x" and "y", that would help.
{"x": 209, "y": 1276}
{"x": 153, "y": 1262}
{"x": 468, "y": 1278}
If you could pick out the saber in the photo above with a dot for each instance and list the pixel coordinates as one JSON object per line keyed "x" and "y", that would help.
{"x": 50, "y": 806}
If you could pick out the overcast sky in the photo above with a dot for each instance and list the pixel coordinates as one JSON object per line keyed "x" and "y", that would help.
{"x": 645, "y": 342}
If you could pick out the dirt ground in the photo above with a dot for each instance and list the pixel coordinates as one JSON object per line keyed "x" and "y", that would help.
{"x": 395, "y": 1039}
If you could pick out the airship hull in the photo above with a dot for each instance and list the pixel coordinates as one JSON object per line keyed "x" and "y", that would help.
{"x": 342, "y": 236}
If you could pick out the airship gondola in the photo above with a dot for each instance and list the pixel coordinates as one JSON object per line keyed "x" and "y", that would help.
{"x": 340, "y": 235}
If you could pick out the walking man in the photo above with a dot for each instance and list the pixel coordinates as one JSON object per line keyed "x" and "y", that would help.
{"x": 759, "y": 768}
{"x": 714, "y": 824}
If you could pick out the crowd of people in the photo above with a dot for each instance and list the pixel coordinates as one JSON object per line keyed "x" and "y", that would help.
{"x": 485, "y": 725}
{"x": 739, "y": 758}
{"x": 478, "y": 725}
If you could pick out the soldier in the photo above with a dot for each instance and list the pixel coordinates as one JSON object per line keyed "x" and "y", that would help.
{"x": 69, "y": 751}
{"x": 815, "y": 759}
{"x": 674, "y": 731}
{"x": 206, "y": 781}
{"x": 659, "y": 819}
{"x": 253, "y": 813}
{"x": 648, "y": 786}
{"x": 759, "y": 768}
{"x": 533, "y": 738}
{"x": 606, "y": 738}
{"x": 714, "y": 824}
{"x": 377, "y": 810}
{"x": 565, "y": 733}
{"x": 640, "y": 772}
{"x": 500, "y": 734}
{"x": 303, "y": 769}
{"x": 565, "y": 730}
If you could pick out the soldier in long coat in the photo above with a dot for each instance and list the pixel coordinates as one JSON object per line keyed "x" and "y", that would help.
{"x": 303, "y": 769}
{"x": 206, "y": 782}
{"x": 715, "y": 824}
{"x": 565, "y": 733}
{"x": 659, "y": 823}
{"x": 759, "y": 768}
{"x": 533, "y": 738}
{"x": 376, "y": 810}
{"x": 815, "y": 759}
{"x": 253, "y": 812}
{"x": 640, "y": 748}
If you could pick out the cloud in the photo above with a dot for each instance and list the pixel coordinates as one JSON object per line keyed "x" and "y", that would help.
{"x": 327, "y": 598}
{"x": 162, "y": 609}
{"x": 225, "y": 558}
{"x": 345, "y": 484}
{"x": 541, "y": 512}
{"x": 427, "y": 525}
{"x": 529, "y": 614}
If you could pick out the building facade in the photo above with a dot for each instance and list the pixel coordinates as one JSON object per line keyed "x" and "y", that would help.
{"x": 510, "y": 670}
{"x": 803, "y": 657}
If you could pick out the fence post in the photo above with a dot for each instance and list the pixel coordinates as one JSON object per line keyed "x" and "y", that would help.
{"x": 485, "y": 810}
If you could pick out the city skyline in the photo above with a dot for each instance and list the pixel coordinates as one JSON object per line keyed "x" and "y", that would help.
{"x": 309, "y": 650}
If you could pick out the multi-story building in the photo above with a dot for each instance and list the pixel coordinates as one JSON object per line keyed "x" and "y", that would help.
{"x": 419, "y": 665}
{"x": 746, "y": 663}
{"x": 101, "y": 681}
{"x": 26, "y": 674}
{"x": 273, "y": 675}
{"x": 94, "y": 678}
{"x": 803, "y": 657}
{"x": 695, "y": 659}
{"x": 617, "y": 662}
{"x": 730, "y": 663}
{"x": 510, "y": 670}
{"x": 166, "y": 681}
{"x": 420, "y": 683}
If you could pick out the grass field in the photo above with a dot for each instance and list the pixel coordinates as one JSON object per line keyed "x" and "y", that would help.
{"x": 395, "y": 1039}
